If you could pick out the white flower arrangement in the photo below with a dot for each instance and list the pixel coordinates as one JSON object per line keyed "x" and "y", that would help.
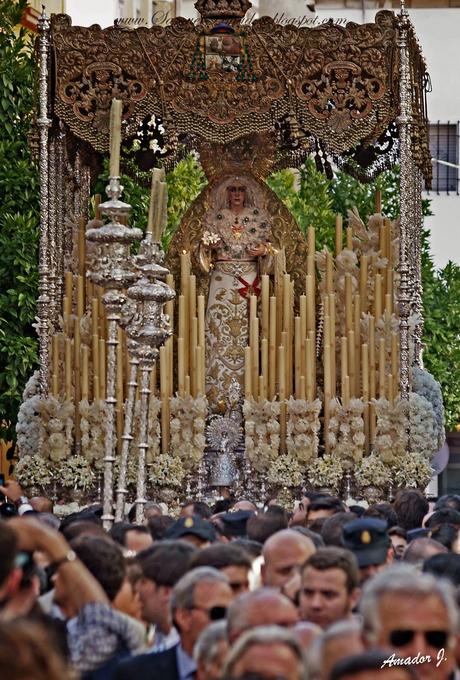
{"x": 86, "y": 329}
{"x": 56, "y": 426}
{"x": 390, "y": 441}
{"x": 372, "y": 471}
{"x": 28, "y": 423}
{"x": 424, "y": 383}
{"x": 366, "y": 241}
{"x": 35, "y": 471}
{"x": 262, "y": 432}
{"x": 384, "y": 327}
{"x": 62, "y": 510}
{"x": 415, "y": 320}
{"x": 210, "y": 239}
{"x": 285, "y": 471}
{"x": 302, "y": 429}
{"x": 32, "y": 387}
{"x": 365, "y": 238}
{"x": 320, "y": 260}
{"x": 326, "y": 472}
{"x": 93, "y": 427}
{"x": 412, "y": 471}
{"x": 76, "y": 474}
{"x": 347, "y": 262}
{"x": 345, "y": 435}
{"x": 187, "y": 428}
{"x": 423, "y": 426}
{"x": 166, "y": 471}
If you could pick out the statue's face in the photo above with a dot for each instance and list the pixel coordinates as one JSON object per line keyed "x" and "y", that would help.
{"x": 236, "y": 195}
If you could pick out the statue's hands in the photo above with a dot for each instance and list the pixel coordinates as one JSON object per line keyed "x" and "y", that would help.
{"x": 258, "y": 250}
{"x": 216, "y": 245}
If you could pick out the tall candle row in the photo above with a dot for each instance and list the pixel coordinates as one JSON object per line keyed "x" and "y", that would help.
{"x": 65, "y": 363}
{"x": 190, "y": 334}
{"x": 280, "y": 357}
{"x": 360, "y": 345}
{"x": 364, "y": 363}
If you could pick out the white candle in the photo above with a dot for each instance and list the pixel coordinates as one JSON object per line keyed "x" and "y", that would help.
{"x": 115, "y": 137}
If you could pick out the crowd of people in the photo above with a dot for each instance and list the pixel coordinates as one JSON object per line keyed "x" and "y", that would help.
{"x": 231, "y": 591}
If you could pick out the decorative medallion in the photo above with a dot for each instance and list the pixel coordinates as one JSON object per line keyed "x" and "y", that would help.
{"x": 366, "y": 537}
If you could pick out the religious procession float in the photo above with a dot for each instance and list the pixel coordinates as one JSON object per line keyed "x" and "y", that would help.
{"x": 243, "y": 357}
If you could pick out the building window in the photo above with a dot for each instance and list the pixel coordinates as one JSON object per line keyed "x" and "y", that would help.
{"x": 121, "y": 9}
{"x": 444, "y": 152}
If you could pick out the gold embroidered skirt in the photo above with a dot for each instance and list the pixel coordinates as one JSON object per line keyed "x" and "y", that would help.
{"x": 227, "y": 327}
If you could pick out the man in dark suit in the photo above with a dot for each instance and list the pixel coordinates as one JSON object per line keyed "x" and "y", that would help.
{"x": 199, "y": 597}
{"x": 162, "y": 566}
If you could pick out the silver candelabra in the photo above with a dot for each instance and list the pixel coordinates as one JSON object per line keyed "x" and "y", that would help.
{"x": 114, "y": 273}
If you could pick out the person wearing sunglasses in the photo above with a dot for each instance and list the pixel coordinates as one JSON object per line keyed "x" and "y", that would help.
{"x": 415, "y": 617}
{"x": 200, "y": 597}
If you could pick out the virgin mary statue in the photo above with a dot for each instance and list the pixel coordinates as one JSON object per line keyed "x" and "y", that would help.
{"x": 235, "y": 248}
{"x": 233, "y": 230}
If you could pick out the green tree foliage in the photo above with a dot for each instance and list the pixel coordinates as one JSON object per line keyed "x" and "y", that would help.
{"x": 184, "y": 184}
{"x": 315, "y": 200}
{"x": 308, "y": 198}
{"x": 19, "y": 215}
{"x": 441, "y": 338}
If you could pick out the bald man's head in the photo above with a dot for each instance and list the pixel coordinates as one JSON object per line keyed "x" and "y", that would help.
{"x": 243, "y": 504}
{"x": 263, "y": 607}
{"x": 284, "y": 553}
{"x": 41, "y": 504}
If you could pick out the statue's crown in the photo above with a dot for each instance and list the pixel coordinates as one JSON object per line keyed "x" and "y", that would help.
{"x": 252, "y": 154}
{"x": 222, "y": 9}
